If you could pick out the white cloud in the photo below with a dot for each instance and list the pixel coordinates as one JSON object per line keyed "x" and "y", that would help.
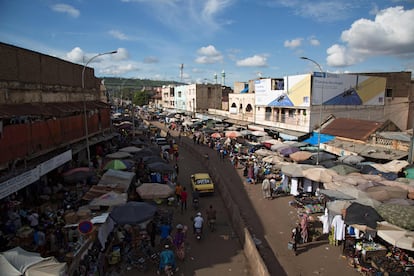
{"x": 208, "y": 55}
{"x": 66, "y": 9}
{"x": 122, "y": 54}
{"x": 76, "y": 55}
{"x": 214, "y": 6}
{"x": 314, "y": 42}
{"x": 256, "y": 60}
{"x": 119, "y": 69}
{"x": 391, "y": 33}
{"x": 294, "y": 43}
{"x": 119, "y": 35}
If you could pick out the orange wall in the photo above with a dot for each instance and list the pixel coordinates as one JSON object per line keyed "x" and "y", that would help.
{"x": 25, "y": 140}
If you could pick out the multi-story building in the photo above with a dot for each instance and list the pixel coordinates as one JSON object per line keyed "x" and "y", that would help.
{"x": 51, "y": 112}
{"x": 303, "y": 103}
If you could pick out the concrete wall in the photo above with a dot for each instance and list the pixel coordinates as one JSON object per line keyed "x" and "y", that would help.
{"x": 28, "y": 76}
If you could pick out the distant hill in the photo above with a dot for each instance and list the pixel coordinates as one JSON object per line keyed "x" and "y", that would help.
{"x": 135, "y": 84}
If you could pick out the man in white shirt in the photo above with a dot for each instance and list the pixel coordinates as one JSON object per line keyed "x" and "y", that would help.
{"x": 198, "y": 222}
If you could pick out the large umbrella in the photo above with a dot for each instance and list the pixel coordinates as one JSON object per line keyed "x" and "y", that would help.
{"x": 360, "y": 214}
{"x": 131, "y": 149}
{"x": 351, "y": 159}
{"x": 300, "y": 155}
{"x": 294, "y": 170}
{"x": 259, "y": 133}
{"x": 263, "y": 152}
{"x": 396, "y": 236}
{"x": 153, "y": 159}
{"x": 154, "y": 191}
{"x": 245, "y": 132}
{"x": 400, "y": 215}
{"x": 272, "y": 159}
{"x": 343, "y": 169}
{"x": 319, "y": 174}
{"x": 288, "y": 151}
{"x": 132, "y": 213}
{"x": 77, "y": 174}
{"x": 118, "y": 155}
{"x": 160, "y": 167}
{"x": 216, "y": 135}
{"x": 232, "y": 134}
{"x": 118, "y": 164}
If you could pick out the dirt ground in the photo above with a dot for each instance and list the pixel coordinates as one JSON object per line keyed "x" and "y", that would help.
{"x": 269, "y": 221}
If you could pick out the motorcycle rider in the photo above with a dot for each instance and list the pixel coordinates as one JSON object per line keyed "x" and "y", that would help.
{"x": 198, "y": 222}
{"x": 167, "y": 258}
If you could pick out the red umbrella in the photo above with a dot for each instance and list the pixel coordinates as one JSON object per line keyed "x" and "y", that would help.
{"x": 233, "y": 134}
{"x": 216, "y": 135}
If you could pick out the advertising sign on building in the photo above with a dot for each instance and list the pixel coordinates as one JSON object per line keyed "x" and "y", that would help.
{"x": 344, "y": 89}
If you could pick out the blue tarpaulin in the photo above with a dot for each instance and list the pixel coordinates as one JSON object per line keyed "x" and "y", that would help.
{"x": 313, "y": 139}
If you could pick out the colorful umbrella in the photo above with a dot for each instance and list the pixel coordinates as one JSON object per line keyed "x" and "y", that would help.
{"x": 216, "y": 135}
{"x": 232, "y": 134}
{"x": 117, "y": 164}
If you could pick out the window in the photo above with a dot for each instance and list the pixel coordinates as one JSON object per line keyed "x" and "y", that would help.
{"x": 179, "y": 94}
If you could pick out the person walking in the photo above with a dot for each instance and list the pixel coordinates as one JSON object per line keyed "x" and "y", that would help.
{"x": 179, "y": 241}
{"x": 295, "y": 238}
{"x": 178, "y": 191}
{"x": 211, "y": 217}
{"x": 183, "y": 196}
{"x": 266, "y": 188}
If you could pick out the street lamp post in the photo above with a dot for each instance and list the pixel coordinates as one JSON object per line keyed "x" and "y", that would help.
{"x": 84, "y": 102}
{"x": 320, "y": 108}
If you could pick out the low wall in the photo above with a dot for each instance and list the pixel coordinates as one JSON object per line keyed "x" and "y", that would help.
{"x": 256, "y": 262}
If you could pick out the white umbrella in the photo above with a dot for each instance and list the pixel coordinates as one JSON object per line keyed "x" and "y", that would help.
{"x": 245, "y": 132}
{"x": 319, "y": 174}
{"x": 396, "y": 236}
{"x": 263, "y": 152}
{"x": 273, "y": 159}
{"x": 259, "y": 133}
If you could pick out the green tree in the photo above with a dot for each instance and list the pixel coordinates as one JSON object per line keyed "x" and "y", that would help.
{"x": 140, "y": 98}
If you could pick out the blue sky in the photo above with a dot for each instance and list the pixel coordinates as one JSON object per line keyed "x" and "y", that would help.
{"x": 244, "y": 38}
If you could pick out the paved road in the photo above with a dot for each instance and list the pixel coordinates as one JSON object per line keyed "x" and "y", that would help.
{"x": 268, "y": 221}
{"x": 219, "y": 252}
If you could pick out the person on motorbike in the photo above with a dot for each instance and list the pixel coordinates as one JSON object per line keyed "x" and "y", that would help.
{"x": 211, "y": 216}
{"x": 198, "y": 222}
{"x": 167, "y": 258}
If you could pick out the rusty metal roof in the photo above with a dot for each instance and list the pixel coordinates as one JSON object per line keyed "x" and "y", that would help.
{"x": 47, "y": 109}
{"x": 352, "y": 128}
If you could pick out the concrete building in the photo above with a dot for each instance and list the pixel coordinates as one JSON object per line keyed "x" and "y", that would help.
{"x": 303, "y": 103}
{"x": 50, "y": 110}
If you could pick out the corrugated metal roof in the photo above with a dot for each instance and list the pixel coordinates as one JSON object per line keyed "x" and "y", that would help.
{"x": 351, "y": 128}
{"x": 400, "y": 136}
{"x": 47, "y": 109}
{"x": 368, "y": 151}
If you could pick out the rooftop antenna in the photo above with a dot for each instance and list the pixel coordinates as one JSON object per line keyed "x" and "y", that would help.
{"x": 181, "y": 71}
